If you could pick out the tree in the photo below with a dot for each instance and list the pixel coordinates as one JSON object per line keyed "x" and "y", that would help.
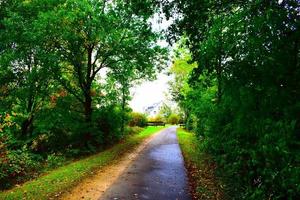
{"x": 181, "y": 69}
{"x": 137, "y": 119}
{"x": 173, "y": 119}
{"x": 24, "y": 75}
{"x": 130, "y": 72}
{"x": 165, "y": 111}
{"x": 247, "y": 50}
{"x": 66, "y": 69}
{"x": 94, "y": 35}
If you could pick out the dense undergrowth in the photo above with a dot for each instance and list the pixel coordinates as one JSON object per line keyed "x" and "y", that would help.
{"x": 21, "y": 161}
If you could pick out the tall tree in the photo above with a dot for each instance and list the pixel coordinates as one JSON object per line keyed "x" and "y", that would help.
{"x": 128, "y": 73}
{"x": 92, "y": 35}
{"x": 252, "y": 48}
{"x": 181, "y": 69}
{"x": 25, "y": 78}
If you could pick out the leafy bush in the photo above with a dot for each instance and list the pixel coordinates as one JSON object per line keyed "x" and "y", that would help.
{"x": 137, "y": 119}
{"x": 257, "y": 149}
{"x": 109, "y": 120}
{"x": 134, "y": 130}
{"x": 173, "y": 119}
{"x": 157, "y": 118}
{"x": 55, "y": 160}
{"x": 260, "y": 151}
{"x": 251, "y": 128}
{"x": 190, "y": 123}
{"x": 16, "y": 163}
{"x": 54, "y": 128}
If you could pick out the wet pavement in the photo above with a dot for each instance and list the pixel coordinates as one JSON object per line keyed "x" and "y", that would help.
{"x": 157, "y": 174}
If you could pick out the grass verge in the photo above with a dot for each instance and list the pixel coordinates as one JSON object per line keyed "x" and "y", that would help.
{"x": 60, "y": 179}
{"x": 202, "y": 180}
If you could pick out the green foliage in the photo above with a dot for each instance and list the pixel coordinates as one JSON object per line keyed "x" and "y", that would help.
{"x": 16, "y": 163}
{"x": 134, "y": 130}
{"x": 64, "y": 177}
{"x": 173, "y": 119}
{"x": 53, "y": 97}
{"x": 55, "y": 160}
{"x": 243, "y": 95}
{"x": 200, "y": 167}
{"x": 97, "y": 35}
{"x": 179, "y": 87}
{"x": 137, "y": 119}
{"x": 157, "y": 118}
{"x": 109, "y": 121}
{"x": 165, "y": 111}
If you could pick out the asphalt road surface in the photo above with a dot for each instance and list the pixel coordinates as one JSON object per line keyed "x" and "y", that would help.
{"x": 158, "y": 173}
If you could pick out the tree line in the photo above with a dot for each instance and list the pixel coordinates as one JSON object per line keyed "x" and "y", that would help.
{"x": 237, "y": 75}
{"x": 66, "y": 69}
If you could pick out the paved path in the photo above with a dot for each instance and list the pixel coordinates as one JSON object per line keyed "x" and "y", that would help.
{"x": 158, "y": 173}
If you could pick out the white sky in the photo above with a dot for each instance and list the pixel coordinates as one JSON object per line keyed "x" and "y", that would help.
{"x": 151, "y": 92}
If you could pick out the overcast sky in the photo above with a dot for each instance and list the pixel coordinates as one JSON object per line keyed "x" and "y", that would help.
{"x": 152, "y": 92}
{"x": 149, "y": 93}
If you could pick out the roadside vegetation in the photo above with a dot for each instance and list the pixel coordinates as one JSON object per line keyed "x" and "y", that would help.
{"x": 168, "y": 114}
{"x": 203, "y": 182}
{"x": 52, "y": 183}
{"x": 21, "y": 165}
{"x": 236, "y": 69}
{"x": 66, "y": 69}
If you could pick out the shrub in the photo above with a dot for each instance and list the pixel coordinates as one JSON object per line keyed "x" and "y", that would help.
{"x": 16, "y": 164}
{"x": 54, "y": 128}
{"x": 173, "y": 119}
{"x": 137, "y": 119}
{"x": 252, "y": 146}
{"x": 55, "y": 160}
{"x": 109, "y": 120}
{"x": 157, "y": 118}
{"x": 134, "y": 130}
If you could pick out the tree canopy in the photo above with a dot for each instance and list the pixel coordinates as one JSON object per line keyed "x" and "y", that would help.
{"x": 67, "y": 66}
{"x": 244, "y": 96}
{"x": 66, "y": 69}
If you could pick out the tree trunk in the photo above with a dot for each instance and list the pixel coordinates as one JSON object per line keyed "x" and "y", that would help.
{"x": 88, "y": 107}
{"x": 123, "y": 111}
{"x": 86, "y": 86}
{"x": 26, "y": 126}
{"x": 88, "y": 119}
{"x": 219, "y": 78}
{"x": 87, "y": 90}
{"x": 219, "y": 59}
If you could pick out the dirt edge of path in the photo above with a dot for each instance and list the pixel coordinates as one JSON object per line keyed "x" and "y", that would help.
{"x": 94, "y": 186}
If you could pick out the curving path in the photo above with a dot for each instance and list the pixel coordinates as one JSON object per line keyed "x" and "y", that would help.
{"x": 158, "y": 173}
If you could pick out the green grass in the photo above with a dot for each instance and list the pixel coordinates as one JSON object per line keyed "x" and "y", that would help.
{"x": 67, "y": 176}
{"x": 190, "y": 146}
{"x": 200, "y": 168}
